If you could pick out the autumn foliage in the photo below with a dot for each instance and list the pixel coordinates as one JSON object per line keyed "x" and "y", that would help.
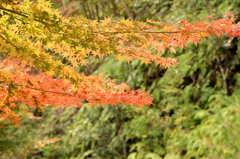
{"x": 33, "y": 35}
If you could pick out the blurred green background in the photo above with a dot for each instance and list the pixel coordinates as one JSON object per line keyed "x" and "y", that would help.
{"x": 197, "y": 103}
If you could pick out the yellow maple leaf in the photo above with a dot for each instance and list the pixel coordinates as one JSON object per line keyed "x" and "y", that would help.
{"x": 127, "y": 22}
{"x": 106, "y": 21}
{"x": 119, "y": 57}
{"x": 59, "y": 49}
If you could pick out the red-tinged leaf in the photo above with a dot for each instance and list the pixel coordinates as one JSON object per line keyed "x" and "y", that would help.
{"x": 146, "y": 61}
{"x": 183, "y": 22}
{"x": 194, "y": 40}
{"x": 209, "y": 16}
{"x": 229, "y": 14}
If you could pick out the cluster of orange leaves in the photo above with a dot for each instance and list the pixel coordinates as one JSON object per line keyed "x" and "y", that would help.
{"x": 36, "y": 90}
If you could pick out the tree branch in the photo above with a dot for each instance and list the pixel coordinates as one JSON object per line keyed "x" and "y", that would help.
{"x": 23, "y": 15}
{"x": 128, "y": 32}
{"x": 131, "y": 74}
{"x": 224, "y": 75}
{"x": 127, "y": 9}
{"x": 9, "y": 42}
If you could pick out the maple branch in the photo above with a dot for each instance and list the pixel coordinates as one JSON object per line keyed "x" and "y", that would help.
{"x": 19, "y": 85}
{"x": 162, "y": 32}
{"x": 9, "y": 42}
{"x": 14, "y": 12}
{"x": 49, "y": 91}
{"x": 61, "y": 93}
{"x": 16, "y": 18}
{"x": 23, "y": 15}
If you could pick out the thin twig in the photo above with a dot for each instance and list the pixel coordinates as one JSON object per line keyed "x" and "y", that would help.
{"x": 62, "y": 93}
{"x": 9, "y": 42}
{"x": 128, "y": 10}
{"x": 123, "y": 32}
{"x": 224, "y": 75}
{"x": 131, "y": 74}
